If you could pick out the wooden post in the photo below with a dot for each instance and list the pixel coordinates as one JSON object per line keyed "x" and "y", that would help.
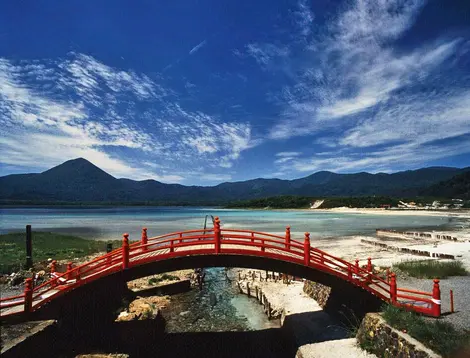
{"x": 436, "y": 299}
{"x": 248, "y": 288}
{"x": 369, "y": 270}
{"x": 256, "y": 291}
{"x": 288, "y": 238}
{"x": 53, "y": 270}
{"x": 307, "y": 249}
{"x": 69, "y": 271}
{"x": 452, "y": 301}
{"x": 144, "y": 239}
{"x": 29, "y": 247}
{"x": 393, "y": 288}
{"x": 217, "y": 235}
{"x": 28, "y": 295}
{"x": 125, "y": 251}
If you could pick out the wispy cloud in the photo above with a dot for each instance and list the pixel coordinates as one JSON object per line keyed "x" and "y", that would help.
{"x": 265, "y": 53}
{"x": 79, "y": 107}
{"x": 304, "y": 17}
{"x": 362, "y": 91}
{"x": 198, "y": 47}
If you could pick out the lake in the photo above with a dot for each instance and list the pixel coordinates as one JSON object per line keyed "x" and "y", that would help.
{"x": 102, "y": 223}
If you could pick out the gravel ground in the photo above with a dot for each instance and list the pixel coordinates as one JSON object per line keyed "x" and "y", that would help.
{"x": 461, "y": 287}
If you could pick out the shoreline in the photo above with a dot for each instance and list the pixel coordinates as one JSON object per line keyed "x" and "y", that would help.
{"x": 464, "y": 213}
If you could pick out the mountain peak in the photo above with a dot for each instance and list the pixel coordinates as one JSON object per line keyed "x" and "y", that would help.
{"x": 77, "y": 167}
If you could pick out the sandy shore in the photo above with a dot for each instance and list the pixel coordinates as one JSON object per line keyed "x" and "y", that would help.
{"x": 464, "y": 213}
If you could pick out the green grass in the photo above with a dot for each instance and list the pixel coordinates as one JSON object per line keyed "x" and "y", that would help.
{"x": 438, "y": 335}
{"x": 432, "y": 268}
{"x": 163, "y": 277}
{"x": 45, "y": 245}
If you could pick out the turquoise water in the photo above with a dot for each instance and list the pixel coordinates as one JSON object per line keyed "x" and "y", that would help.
{"x": 111, "y": 222}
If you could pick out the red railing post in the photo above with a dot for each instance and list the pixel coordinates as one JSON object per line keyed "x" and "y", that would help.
{"x": 393, "y": 288}
{"x": 307, "y": 249}
{"x": 172, "y": 248}
{"x": 217, "y": 234}
{"x": 350, "y": 269}
{"x": 357, "y": 266}
{"x": 436, "y": 299}
{"x": 252, "y": 237}
{"x": 263, "y": 249}
{"x": 288, "y": 238}
{"x": 369, "y": 269}
{"x": 451, "y": 301}
{"x": 125, "y": 251}
{"x": 69, "y": 271}
{"x": 77, "y": 274}
{"x": 53, "y": 270}
{"x": 144, "y": 239}
{"x": 28, "y": 295}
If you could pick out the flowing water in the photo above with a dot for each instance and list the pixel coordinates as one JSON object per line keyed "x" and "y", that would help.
{"x": 217, "y": 307}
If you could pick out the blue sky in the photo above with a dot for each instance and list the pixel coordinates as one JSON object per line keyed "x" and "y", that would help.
{"x": 200, "y": 92}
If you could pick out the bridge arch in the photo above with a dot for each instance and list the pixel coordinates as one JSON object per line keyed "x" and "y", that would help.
{"x": 220, "y": 247}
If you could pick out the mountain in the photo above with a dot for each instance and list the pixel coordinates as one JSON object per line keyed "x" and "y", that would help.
{"x": 458, "y": 187}
{"x": 78, "y": 180}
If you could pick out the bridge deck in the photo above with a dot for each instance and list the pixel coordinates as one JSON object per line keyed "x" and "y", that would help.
{"x": 210, "y": 242}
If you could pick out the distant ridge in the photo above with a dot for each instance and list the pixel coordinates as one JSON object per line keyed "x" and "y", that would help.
{"x": 78, "y": 180}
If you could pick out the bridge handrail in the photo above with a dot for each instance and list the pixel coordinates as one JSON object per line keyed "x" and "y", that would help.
{"x": 254, "y": 232}
{"x": 154, "y": 238}
{"x": 94, "y": 264}
{"x": 205, "y": 241}
{"x": 295, "y": 244}
{"x": 169, "y": 243}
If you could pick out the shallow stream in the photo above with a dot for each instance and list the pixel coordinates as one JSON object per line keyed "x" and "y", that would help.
{"x": 217, "y": 307}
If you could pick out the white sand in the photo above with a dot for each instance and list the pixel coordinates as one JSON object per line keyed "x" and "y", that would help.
{"x": 305, "y": 319}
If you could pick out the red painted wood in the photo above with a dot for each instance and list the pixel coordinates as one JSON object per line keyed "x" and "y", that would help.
{"x": 224, "y": 241}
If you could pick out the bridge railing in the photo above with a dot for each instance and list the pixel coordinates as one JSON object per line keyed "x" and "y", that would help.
{"x": 224, "y": 240}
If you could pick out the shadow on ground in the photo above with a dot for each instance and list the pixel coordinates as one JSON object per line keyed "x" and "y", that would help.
{"x": 148, "y": 339}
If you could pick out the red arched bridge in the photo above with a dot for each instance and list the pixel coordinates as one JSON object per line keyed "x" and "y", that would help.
{"x": 220, "y": 247}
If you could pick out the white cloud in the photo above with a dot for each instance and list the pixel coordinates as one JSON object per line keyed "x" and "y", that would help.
{"x": 265, "y": 53}
{"x": 360, "y": 90}
{"x": 92, "y": 114}
{"x": 288, "y": 154}
{"x": 304, "y": 17}
{"x": 215, "y": 177}
{"x": 198, "y": 47}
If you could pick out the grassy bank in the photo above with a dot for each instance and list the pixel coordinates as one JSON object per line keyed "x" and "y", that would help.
{"x": 440, "y": 336}
{"x": 432, "y": 268}
{"x": 45, "y": 245}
